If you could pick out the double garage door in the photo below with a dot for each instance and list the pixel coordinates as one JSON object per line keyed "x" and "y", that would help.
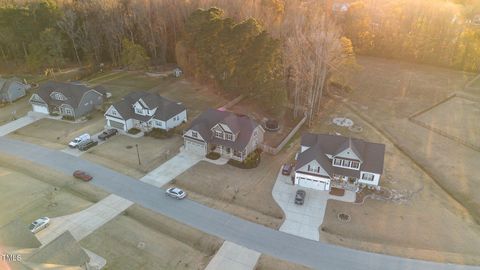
{"x": 195, "y": 147}
{"x": 117, "y": 125}
{"x": 314, "y": 184}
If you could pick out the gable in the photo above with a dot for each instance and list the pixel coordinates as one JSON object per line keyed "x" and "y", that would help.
{"x": 113, "y": 112}
{"x": 225, "y": 127}
{"x": 36, "y": 98}
{"x": 90, "y": 97}
{"x": 348, "y": 153}
{"x": 315, "y": 167}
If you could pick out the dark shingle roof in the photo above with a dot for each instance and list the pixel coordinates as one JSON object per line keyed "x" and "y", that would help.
{"x": 240, "y": 124}
{"x": 72, "y": 91}
{"x": 166, "y": 109}
{"x": 371, "y": 154}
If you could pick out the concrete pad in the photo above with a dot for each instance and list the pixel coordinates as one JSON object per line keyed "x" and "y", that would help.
{"x": 96, "y": 262}
{"x": 303, "y": 220}
{"x": 30, "y": 118}
{"x": 76, "y": 153}
{"x": 233, "y": 257}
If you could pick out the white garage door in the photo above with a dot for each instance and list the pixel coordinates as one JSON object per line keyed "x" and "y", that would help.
{"x": 40, "y": 109}
{"x": 117, "y": 125}
{"x": 310, "y": 183}
{"x": 198, "y": 148}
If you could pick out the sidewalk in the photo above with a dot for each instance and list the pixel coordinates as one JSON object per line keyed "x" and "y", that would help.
{"x": 233, "y": 257}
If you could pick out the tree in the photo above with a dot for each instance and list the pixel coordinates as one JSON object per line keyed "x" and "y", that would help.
{"x": 133, "y": 55}
{"x": 47, "y": 51}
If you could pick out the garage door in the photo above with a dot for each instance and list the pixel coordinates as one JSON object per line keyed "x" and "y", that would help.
{"x": 194, "y": 147}
{"x": 117, "y": 125}
{"x": 310, "y": 183}
{"x": 40, "y": 109}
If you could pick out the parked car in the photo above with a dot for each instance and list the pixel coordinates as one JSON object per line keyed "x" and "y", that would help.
{"x": 176, "y": 193}
{"x": 287, "y": 169}
{"x": 78, "y": 140}
{"x": 300, "y": 197}
{"x": 39, "y": 224}
{"x": 85, "y": 145}
{"x": 107, "y": 134}
{"x": 82, "y": 175}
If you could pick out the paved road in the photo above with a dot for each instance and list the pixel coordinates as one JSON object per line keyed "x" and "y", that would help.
{"x": 241, "y": 232}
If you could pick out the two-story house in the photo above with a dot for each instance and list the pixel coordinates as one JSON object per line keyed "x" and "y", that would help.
{"x": 327, "y": 161}
{"x": 67, "y": 99}
{"x": 145, "y": 111}
{"x": 232, "y": 136}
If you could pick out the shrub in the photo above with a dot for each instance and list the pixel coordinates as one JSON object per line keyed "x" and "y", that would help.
{"x": 134, "y": 131}
{"x": 68, "y": 118}
{"x": 54, "y": 114}
{"x": 160, "y": 133}
{"x": 252, "y": 160}
{"x": 213, "y": 155}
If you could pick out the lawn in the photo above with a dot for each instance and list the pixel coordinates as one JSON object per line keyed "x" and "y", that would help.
{"x": 270, "y": 263}
{"x": 159, "y": 243}
{"x": 27, "y": 198}
{"x": 246, "y": 193}
{"x": 120, "y": 153}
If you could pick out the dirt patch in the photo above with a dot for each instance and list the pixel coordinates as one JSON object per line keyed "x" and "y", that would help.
{"x": 337, "y": 192}
{"x": 270, "y": 263}
{"x": 155, "y": 242}
{"x": 245, "y": 193}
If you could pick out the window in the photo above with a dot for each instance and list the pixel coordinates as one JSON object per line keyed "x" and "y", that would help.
{"x": 113, "y": 112}
{"x": 346, "y": 163}
{"x": 355, "y": 164}
{"x": 337, "y": 162}
{"x": 229, "y": 136}
{"x": 194, "y": 134}
{"x": 138, "y": 111}
{"x": 159, "y": 123}
{"x": 218, "y": 134}
{"x": 368, "y": 176}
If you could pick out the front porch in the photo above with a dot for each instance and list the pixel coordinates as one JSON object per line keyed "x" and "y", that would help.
{"x": 227, "y": 152}
{"x": 344, "y": 182}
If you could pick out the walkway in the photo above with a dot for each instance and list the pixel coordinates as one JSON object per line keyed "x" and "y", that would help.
{"x": 303, "y": 220}
{"x": 30, "y": 118}
{"x": 233, "y": 257}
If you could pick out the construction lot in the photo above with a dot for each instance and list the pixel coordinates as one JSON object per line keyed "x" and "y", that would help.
{"x": 415, "y": 215}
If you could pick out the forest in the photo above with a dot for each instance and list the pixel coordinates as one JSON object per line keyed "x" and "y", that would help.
{"x": 276, "y": 50}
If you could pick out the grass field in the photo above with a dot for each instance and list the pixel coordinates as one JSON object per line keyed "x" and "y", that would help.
{"x": 270, "y": 263}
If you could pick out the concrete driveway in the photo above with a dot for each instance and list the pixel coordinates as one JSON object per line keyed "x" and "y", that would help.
{"x": 303, "y": 220}
{"x": 31, "y": 117}
{"x": 76, "y": 153}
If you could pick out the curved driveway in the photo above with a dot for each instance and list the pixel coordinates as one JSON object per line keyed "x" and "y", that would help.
{"x": 253, "y": 236}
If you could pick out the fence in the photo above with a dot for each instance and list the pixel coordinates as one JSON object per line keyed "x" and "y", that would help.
{"x": 232, "y": 102}
{"x": 276, "y": 150}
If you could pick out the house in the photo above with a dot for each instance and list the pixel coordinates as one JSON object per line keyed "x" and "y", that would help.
{"x": 232, "y": 136}
{"x": 327, "y": 161}
{"x": 145, "y": 111}
{"x": 67, "y": 99}
{"x": 12, "y": 89}
{"x": 340, "y": 7}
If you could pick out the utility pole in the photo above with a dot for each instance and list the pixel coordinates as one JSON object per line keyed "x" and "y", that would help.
{"x": 138, "y": 155}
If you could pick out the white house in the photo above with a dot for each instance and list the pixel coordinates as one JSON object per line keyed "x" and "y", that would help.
{"x": 327, "y": 161}
{"x": 145, "y": 111}
{"x": 232, "y": 136}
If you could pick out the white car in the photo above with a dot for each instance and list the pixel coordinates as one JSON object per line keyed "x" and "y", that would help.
{"x": 78, "y": 140}
{"x": 39, "y": 224}
{"x": 176, "y": 193}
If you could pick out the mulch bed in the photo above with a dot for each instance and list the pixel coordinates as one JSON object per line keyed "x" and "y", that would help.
{"x": 337, "y": 192}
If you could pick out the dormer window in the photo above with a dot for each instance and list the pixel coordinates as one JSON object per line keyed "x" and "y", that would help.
{"x": 218, "y": 134}
{"x": 57, "y": 96}
{"x": 355, "y": 164}
{"x": 229, "y": 136}
{"x": 138, "y": 110}
{"x": 194, "y": 134}
{"x": 337, "y": 162}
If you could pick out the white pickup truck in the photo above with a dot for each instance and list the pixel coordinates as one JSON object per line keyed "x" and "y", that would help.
{"x": 78, "y": 140}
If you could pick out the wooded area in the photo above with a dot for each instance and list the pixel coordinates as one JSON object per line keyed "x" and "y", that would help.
{"x": 287, "y": 49}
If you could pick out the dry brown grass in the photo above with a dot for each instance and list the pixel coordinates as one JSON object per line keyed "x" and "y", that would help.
{"x": 270, "y": 263}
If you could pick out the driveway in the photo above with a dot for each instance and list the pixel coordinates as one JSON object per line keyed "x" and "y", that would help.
{"x": 233, "y": 257}
{"x": 279, "y": 244}
{"x": 10, "y": 127}
{"x": 303, "y": 220}
{"x": 75, "y": 152}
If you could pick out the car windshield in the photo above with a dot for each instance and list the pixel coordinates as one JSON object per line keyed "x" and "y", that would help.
{"x": 32, "y": 226}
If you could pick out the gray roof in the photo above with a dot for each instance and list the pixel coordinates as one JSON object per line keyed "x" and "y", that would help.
{"x": 72, "y": 91}
{"x": 241, "y": 125}
{"x": 166, "y": 109}
{"x": 16, "y": 234}
{"x": 320, "y": 145}
{"x": 64, "y": 250}
{"x": 5, "y": 83}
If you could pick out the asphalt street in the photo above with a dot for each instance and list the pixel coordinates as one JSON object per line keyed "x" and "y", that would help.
{"x": 253, "y": 236}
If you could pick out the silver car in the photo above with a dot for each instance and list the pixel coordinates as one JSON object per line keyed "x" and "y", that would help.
{"x": 39, "y": 224}
{"x": 176, "y": 193}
